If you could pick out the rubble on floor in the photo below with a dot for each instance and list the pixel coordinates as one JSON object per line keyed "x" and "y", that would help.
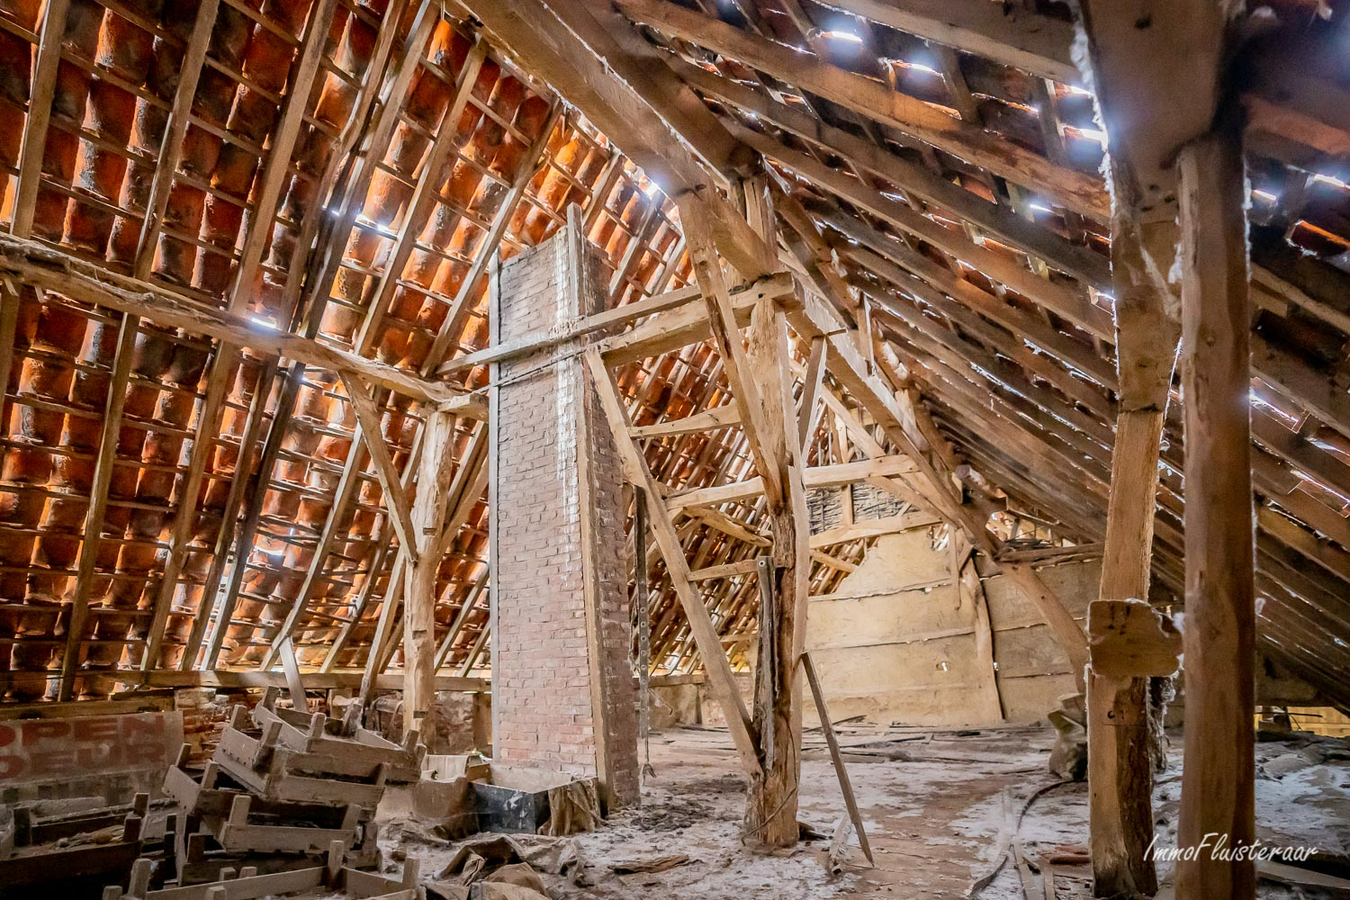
{"x": 935, "y": 804}
{"x": 951, "y": 814}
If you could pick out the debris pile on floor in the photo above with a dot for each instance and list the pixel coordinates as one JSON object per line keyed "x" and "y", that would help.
{"x": 492, "y": 866}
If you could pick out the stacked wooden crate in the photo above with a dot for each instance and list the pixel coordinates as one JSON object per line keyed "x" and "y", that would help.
{"x": 281, "y": 789}
{"x": 43, "y": 841}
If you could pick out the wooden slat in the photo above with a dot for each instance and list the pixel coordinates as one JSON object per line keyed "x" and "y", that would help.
{"x": 845, "y": 785}
{"x": 39, "y": 116}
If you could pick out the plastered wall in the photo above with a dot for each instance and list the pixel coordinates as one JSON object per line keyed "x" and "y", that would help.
{"x": 897, "y": 642}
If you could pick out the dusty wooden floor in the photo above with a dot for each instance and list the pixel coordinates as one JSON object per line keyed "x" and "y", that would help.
{"x": 935, "y": 806}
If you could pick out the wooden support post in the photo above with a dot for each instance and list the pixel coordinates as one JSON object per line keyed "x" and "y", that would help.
{"x": 1218, "y": 785}
{"x": 808, "y": 419}
{"x": 1123, "y": 734}
{"x": 1120, "y": 760}
{"x": 428, "y": 515}
{"x": 643, "y": 618}
{"x": 771, "y": 806}
{"x": 396, "y": 500}
{"x": 970, "y": 590}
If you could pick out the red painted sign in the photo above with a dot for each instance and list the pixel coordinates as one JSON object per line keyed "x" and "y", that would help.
{"x": 37, "y": 751}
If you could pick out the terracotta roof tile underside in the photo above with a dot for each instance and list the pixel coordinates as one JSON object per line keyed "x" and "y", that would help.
{"x": 347, "y": 170}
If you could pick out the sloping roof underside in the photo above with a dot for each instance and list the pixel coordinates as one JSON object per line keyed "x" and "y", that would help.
{"x": 387, "y": 175}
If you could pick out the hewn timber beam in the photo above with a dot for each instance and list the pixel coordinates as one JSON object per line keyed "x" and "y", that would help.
{"x": 226, "y": 679}
{"x": 689, "y": 324}
{"x": 1010, "y": 343}
{"x": 813, "y": 477}
{"x": 725, "y": 570}
{"x": 1156, "y": 73}
{"x": 696, "y": 217}
{"x": 547, "y": 35}
{"x": 911, "y": 177}
{"x": 715, "y": 662}
{"x": 871, "y": 99}
{"x": 776, "y": 287}
{"x": 1218, "y": 784}
{"x": 1054, "y": 554}
{"x": 1005, "y": 33}
{"x": 1295, "y": 96}
{"x": 728, "y": 525}
{"x": 396, "y": 499}
{"x": 428, "y": 512}
{"x": 784, "y": 574}
{"x": 708, "y": 420}
{"x": 813, "y": 386}
{"x": 54, "y": 270}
